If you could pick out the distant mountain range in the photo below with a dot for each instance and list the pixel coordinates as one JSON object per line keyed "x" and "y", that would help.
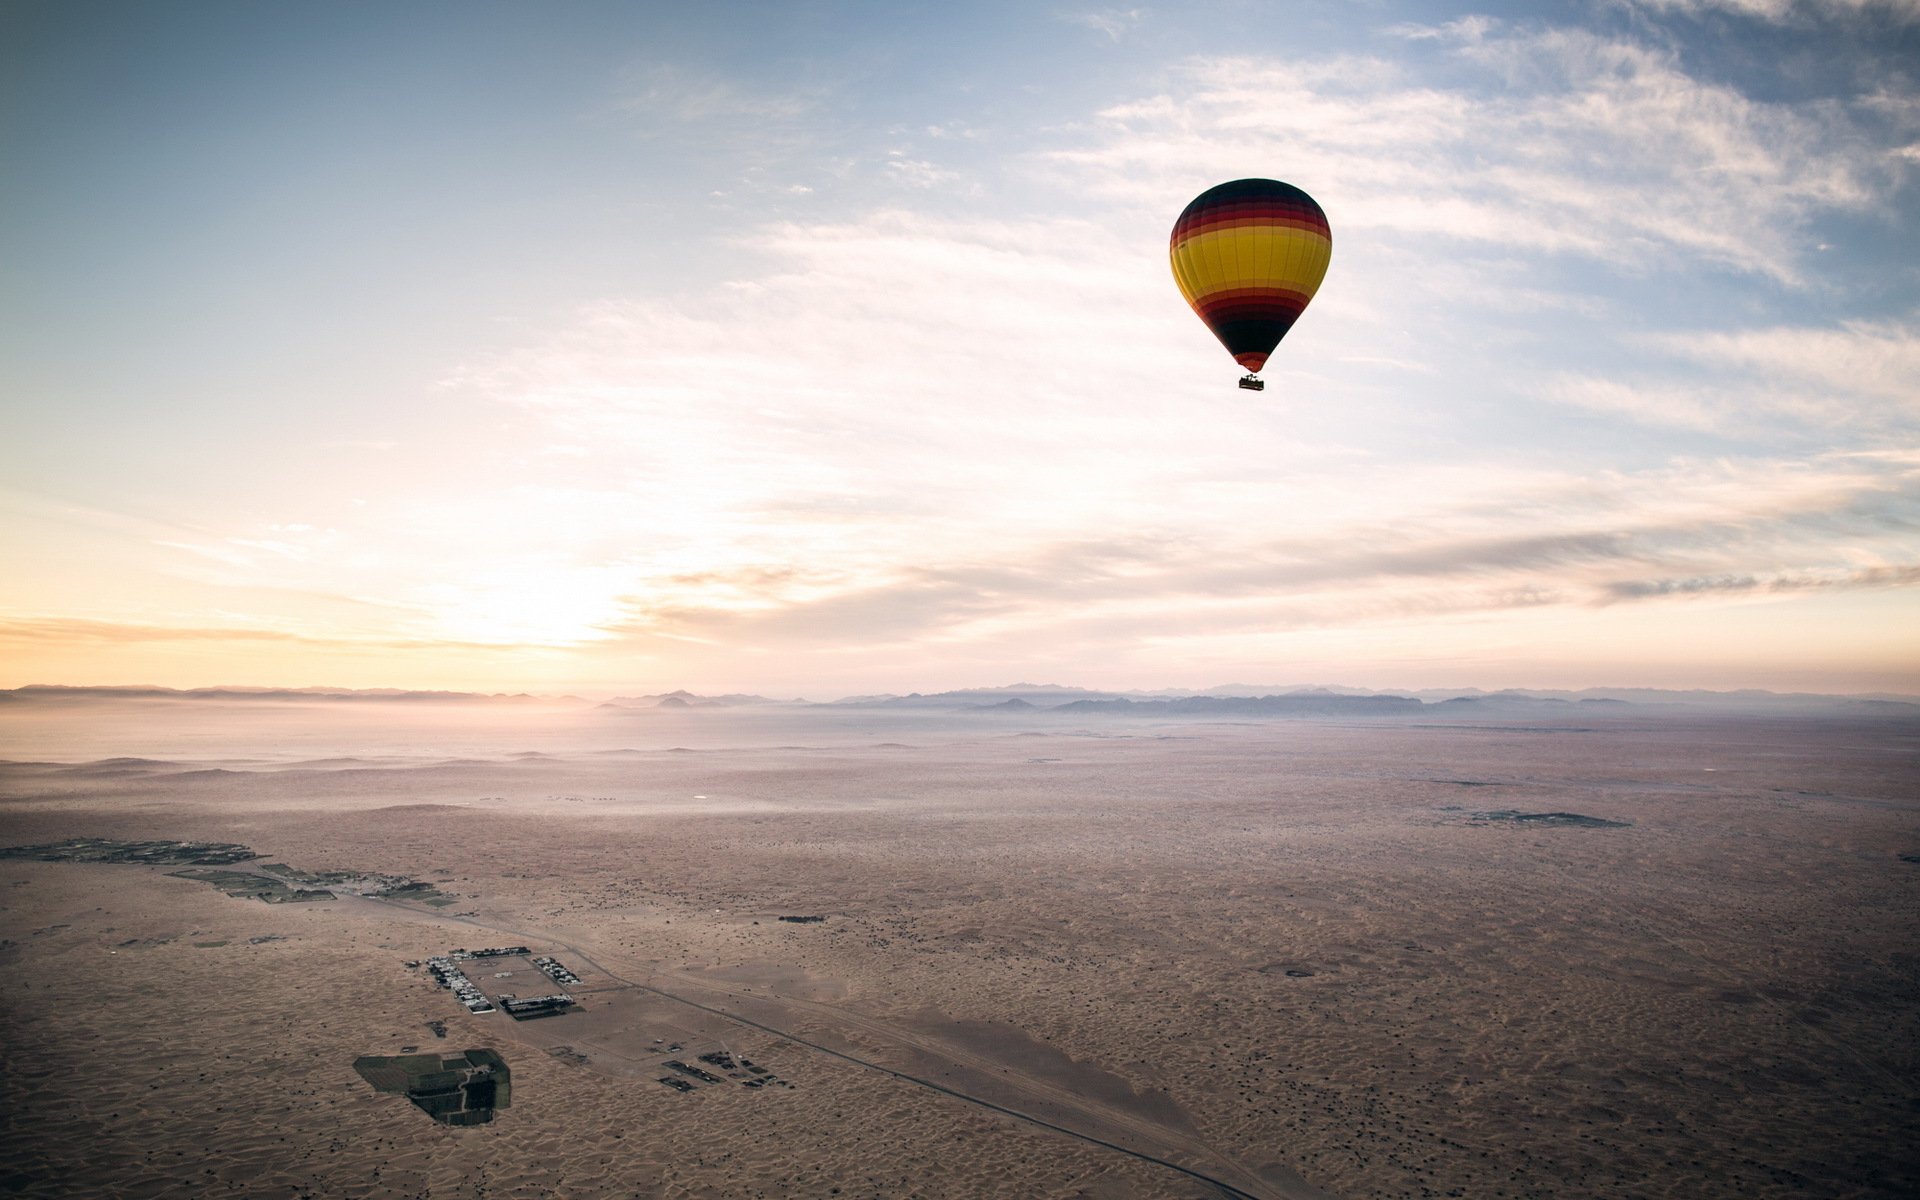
{"x": 684, "y": 699}
{"x": 1034, "y": 699}
{"x": 1038, "y": 695}
{"x": 1253, "y": 700}
{"x": 1323, "y": 704}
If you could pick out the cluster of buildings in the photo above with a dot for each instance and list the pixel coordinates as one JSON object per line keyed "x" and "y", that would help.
{"x": 449, "y": 976}
{"x": 741, "y": 1070}
{"x": 459, "y": 953}
{"x": 535, "y": 1006}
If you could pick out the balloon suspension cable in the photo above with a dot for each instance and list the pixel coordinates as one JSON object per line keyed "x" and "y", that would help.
{"x": 1253, "y": 383}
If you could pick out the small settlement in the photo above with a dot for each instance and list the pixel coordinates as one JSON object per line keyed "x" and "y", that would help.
{"x": 688, "y": 1070}
{"x": 536, "y": 1006}
{"x": 448, "y": 974}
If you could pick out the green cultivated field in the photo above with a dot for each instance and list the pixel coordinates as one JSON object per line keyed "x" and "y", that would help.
{"x": 240, "y": 884}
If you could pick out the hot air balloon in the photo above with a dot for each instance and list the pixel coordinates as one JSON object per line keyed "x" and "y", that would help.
{"x": 1248, "y": 256}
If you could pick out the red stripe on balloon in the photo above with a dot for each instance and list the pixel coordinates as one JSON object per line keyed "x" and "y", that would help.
{"x": 1249, "y": 222}
{"x": 1214, "y": 306}
{"x": 1250, "y": 213}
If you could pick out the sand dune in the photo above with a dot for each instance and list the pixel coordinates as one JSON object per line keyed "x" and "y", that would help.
{"x": 1283, "y": 947}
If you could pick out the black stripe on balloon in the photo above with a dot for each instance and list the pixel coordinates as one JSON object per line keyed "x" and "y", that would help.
{"x": 1245, "y": 189}
{"x": 1251, "y": 337}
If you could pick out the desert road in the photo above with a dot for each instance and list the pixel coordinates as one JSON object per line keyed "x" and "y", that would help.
{"x": 1081, "y": 1117}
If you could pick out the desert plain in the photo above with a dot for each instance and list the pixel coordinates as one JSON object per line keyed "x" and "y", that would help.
{"x": 1055, "y": 956}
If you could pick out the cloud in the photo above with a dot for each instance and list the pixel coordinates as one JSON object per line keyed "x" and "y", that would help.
{"x": 1689, "y": 529}
{"x": 1786, "y": 12}
{"x": 1560, "y": 141}
{"x": 72, "y": 629}
{"x": 869, "y": 355}
{"x": 1857, "y": 376}
{"x": 1734, "y": 408}
{"x": 296, "y": 541}
{"x": 1471, "y": 28}
{"x": 689, "y": 97}
{"x": 1114, "y": 22}
{"x": 1872, "y": 577}
{"x": 1871, "y": 360}
{"x": 919, "y": 173}
{"x": 30, "y": 631}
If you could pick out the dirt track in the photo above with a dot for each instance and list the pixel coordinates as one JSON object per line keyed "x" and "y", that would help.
{"x": 1086, "y": 1119}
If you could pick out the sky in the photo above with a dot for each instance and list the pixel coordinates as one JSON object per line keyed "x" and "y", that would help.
{"x": 821, "y": 348}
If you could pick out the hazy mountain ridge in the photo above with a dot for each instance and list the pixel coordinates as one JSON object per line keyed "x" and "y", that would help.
{"x": 1025, "y": 698}
{"x": 1229, "y": 699}
{"x": 682, "y": 698}
{"x": 1630, "y": 695}
{"x": 1040, "y": 695}
{"x": 1307, "y": 705}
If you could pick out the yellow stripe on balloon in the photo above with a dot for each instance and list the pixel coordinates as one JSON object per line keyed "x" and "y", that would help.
{"x": 1272, "y": 256}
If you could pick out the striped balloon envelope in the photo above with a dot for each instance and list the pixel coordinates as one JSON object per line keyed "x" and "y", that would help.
{"x": 1248, "y": 255}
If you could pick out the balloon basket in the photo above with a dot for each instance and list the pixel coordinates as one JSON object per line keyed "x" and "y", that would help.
{"x": 1253, "y": 384}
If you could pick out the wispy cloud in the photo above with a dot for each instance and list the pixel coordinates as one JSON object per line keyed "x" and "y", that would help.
{"x": 683, "y": 95}
{"x": 1471, "y": 28}
{"x": 917, "y": 172}
{"x": 26, "y": 631}
{"x": 1685, "y": 530}
{"x": 70, "y": 629}
{"x": 1876, "y": 361}
{"x": 1735, "y": 408}
{"x": 1861, "y": 377}
{"x": 1116, "y": 23}
{"x": 1563, "y": 141}
{"x": 1703, "y": 585}
{"x": 1785, "y": 12}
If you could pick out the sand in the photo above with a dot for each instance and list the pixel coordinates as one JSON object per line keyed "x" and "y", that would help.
{"x": 1269, "y": 951}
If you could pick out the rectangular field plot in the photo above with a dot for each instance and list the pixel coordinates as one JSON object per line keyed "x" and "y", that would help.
{"x": 610, "y": 1027}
